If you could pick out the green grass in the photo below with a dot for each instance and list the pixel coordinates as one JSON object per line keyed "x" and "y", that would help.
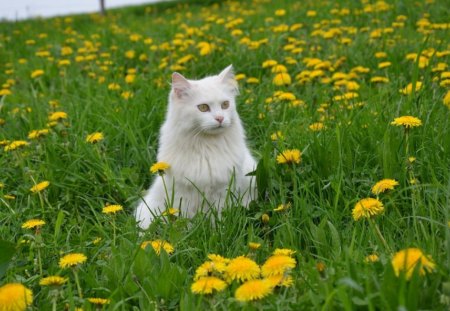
{"x": 340, "y": 163}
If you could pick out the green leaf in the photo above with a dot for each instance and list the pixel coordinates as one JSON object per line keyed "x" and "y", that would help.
{"x": 7, "y": 250}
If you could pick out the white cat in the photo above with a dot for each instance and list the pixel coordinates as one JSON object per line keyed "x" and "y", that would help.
{"x": 203, "y": 141}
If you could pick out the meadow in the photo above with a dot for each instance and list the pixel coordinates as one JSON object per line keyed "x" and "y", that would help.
{"x": 346, "y": 106}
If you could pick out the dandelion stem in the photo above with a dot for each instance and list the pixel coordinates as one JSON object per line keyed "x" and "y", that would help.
{"x": 379, "y": 234}
{"x": 77, "y": 282}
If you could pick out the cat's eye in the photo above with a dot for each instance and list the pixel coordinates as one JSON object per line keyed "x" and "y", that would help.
{"x": 203, "y": 107}
{"x": 225, "y": 104}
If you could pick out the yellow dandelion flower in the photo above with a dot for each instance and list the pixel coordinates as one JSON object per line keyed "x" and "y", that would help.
{"x": 252, "y": 80}
{"x": 283, "y": 251}
{"x": 33, "y": 223}
{"x": 38, "y": 133}
{"x": 316, "y": 127}
{"x": 99, "y": 301}
{"x": 372, "y": 258}
{"x": 157, "y": 245}
{"x": 405, "y": 261}
{"x": 279, "y": 68}
{"x": 269, "y": 63}
{"x": 379, "y": 80}
{"x": 407, "y": 121}
{"x": 40, "y": 186}
{"x": 53, "y": 280}
{"x": 409, "y": 88}
{"x": 367, "y": 208}
{"x": 320, "y": 267}
{"x": 242, "y": 268}
{"x": 171, "y": 212}
{"x": 277, "y": 265}
{"x": 282, "y": 78}
{"x": 383, "y": 185}
{"x": 94, "y": 137}
{"x": 4, "y": 92}
{"x": 218, "y": 259}
{"x": 208, "y": 284}
{"x": 16, "y": 145}
{"x": 130, "y": 54}
{"x": 57, "y": 116}
{"x": 208, "y": 267}
{"x": 280, "y": 280}
{"x": 254, "y": 246}
{"x": 159, "y": 167}
{"x": 289, "y": 156}
{"x": 15, "y": 297}
{"x": 37, "y": 73}
{"x": 112, "y": 209}
{"x": 384, "y": 65}
{"x": 282, "y": 207}
{"x": 446, "y": 99}
{"x": 253, "y": 290}
{"x": 72, "y": 260}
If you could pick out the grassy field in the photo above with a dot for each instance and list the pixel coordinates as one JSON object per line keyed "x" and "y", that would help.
{"x": 326, "y": 78}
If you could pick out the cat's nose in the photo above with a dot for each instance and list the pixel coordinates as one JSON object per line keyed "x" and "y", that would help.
{"x": 219, "y": 119}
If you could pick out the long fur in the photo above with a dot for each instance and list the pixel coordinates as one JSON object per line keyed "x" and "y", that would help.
{"x": 205, "y": 159}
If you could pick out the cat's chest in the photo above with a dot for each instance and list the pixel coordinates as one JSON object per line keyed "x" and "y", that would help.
{"x": 205, "y": 165}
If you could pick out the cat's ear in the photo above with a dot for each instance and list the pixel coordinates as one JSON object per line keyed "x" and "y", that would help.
{"x": 227, "y": 77}
{"x": 180, "y": 85}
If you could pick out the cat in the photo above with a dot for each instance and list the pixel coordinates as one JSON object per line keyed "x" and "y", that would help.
{"x": 203, "y": 141}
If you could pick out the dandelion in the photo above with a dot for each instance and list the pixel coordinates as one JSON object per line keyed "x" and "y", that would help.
{"x": 159, "y": 167}
{"x": 409, "y": 88}
{"x": 16, "y": 145}
{"x": 15, "y": 297}
{"x": 171, "y": 212}
{"x": 384, "y": 185}
{"x": 265, "y": 218}
{"x": 282, "y": 78}
{"x": 405, "y": 261}
{"x": 253, "y": 290}
{"x": 379, "y": 80}
{"x": 289, "y": 156}
{"x": 33, "y": 223}
{"x": 407, "y": 121}
{"x": 208, "y": 284}
{"x": 38, "y": 133}
{"x": 367, "y": 208}
{"x": 218, "y": 259}
{"x": 208, "y": 267}
{"x": 280, "y": 280}
{"x": 157, "y": 245}
{"x": 242, "y": 268}
{"x": 282, "y": 207}
{"x": 99, "y": 301}
{"x": 269, "y": 63}
{"x": 40, "y": 186}
{"x": 94, "y": 137}
{"x": 283, "y": 251}
{"x": 112, "y": 209}
{"x": 254, "y": 246}
{"x": 317, "y": 127}
{"x": 37, "y": 73}
{"x": 53, "y": 280}
{"x": 446, "y": 99}
{"x": 277, "y": 265}
{"x": 57, "y": 116}
{"x": 72, "y": 260}
{"x": 372, "y": 258}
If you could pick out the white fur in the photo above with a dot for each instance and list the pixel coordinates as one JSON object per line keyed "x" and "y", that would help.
{"x": 205, "y": 156}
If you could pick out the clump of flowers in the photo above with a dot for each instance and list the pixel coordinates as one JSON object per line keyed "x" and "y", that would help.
{"x": 406, "y": 260}
{"x": 157, "y": 245}
{"x": 255, "y": 281}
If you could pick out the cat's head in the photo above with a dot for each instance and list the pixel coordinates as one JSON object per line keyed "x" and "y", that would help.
{"x": 207, "y": 105}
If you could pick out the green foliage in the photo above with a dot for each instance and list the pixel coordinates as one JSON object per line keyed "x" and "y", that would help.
{"x": 346, "y": 144}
